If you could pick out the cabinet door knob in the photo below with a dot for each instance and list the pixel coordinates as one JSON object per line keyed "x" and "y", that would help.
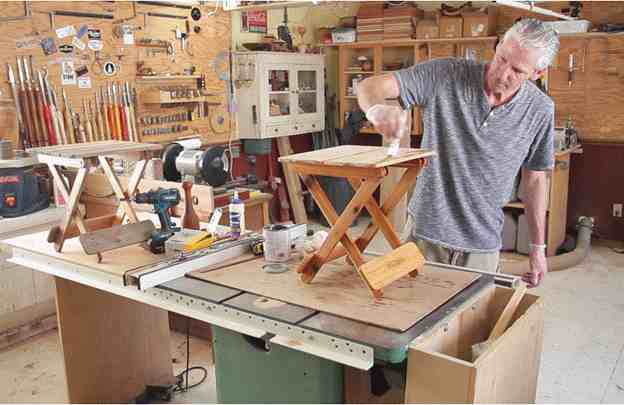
{"x": 296, "y": 127}
{"x": 313, "y": 125}
{"x": 275, "y": 130}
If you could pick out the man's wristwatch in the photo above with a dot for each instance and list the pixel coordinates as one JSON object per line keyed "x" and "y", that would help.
{"x": 537, "y": 248}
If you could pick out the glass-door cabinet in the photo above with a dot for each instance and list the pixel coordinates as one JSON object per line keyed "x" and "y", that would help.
{"x": 284, "y": 97}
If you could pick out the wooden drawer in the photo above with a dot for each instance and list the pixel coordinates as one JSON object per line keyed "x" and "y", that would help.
{"x": 273, "y": 131}
{"x": 440, "y": 370}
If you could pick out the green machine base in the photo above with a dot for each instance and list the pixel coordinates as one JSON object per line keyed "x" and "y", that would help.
{"x": 250, "y": 370}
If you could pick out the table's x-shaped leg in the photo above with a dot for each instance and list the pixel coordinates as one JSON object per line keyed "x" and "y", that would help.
{"x": 340, "y": 224}
{"x": 124, "y": 196}
{"x": 72, "y": 213}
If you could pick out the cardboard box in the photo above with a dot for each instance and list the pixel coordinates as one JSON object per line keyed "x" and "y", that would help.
{"x": 450, "y": 26}
{"x": 480, "y": 23}
{"x": 440, "y": 368}
{"x": 427, "y": 29}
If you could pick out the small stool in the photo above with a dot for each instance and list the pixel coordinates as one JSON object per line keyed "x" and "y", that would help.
{"x": 365, "y": 167}
{"x": 82, "y": 157}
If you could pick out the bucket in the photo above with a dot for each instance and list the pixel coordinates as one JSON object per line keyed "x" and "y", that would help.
{"x": 276, "y": 243}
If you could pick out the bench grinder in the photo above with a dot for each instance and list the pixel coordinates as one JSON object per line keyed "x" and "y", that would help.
{"x": 203, "y": 166}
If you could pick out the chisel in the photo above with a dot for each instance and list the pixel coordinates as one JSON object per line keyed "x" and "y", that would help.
{"x": 116, "y": 115}
{"x": 18, "y": 109}
{"x": 96, "y": 120}
{"x": 47, "y": 115}
{"x": 59, "y": 128}
{"x": 32, "y": 140}
{"x": 87, "y": 122}
{"x": 123, "y": 116}
{"x": 111, "y": 113}
{"x": 69, "y": 122}
{"x": 131, "y": 114}
{"x": 38, "y": 103}
{"x": 104, "y": 116}
{"x": 33, "y": 105}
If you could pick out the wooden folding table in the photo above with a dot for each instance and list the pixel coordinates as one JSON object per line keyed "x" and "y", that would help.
{"x": 85, "y": 158}
{"x": 365, "y": 167}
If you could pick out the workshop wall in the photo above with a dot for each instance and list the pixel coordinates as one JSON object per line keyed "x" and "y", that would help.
{"x": 207, "y": 53}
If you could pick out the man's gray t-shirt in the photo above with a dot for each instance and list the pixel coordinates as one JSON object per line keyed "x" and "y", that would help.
{"x": 459, "y": 196}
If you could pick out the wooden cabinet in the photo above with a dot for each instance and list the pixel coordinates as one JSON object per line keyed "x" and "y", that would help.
{"x": 359, "y": 60}
{"x": 557, "y": 207}
{"x": 279, "y": 94}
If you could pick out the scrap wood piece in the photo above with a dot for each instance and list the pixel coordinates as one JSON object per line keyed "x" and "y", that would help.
{"x": 383, "y": 270}
{"x": 116, "y": 236}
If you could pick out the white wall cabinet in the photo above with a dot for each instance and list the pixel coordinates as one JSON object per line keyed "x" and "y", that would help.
{"x": 279, "y": 94}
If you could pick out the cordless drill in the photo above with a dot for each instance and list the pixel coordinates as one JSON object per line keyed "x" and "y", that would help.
{"x": 162, "y": 199}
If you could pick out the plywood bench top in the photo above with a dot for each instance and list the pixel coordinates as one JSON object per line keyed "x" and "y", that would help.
{"x": 357, "y": 156}
{"x": 94, "y": 149}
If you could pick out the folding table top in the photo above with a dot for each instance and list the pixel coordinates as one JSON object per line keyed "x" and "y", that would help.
{"x": 357, "y": 156}
{"x": 94, "y": 149}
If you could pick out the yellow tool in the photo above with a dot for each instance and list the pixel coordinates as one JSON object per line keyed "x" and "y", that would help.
{"x": 200, "y": 241}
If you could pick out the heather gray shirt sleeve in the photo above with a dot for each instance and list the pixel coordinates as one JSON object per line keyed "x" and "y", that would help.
{"x": 418, "y": 84}
{"x": 542, "y": 150}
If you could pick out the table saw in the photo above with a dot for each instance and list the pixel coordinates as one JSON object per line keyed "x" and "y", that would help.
{"x": 257, "y": 338}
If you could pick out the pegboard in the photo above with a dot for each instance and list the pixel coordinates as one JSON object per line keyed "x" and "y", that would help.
{"x": 207, "y": 51}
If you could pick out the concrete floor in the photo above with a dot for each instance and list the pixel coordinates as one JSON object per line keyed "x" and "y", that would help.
{"x": 582, "y": 360}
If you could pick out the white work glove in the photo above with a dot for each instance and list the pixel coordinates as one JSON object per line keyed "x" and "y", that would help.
{"x": 391, "y": 122}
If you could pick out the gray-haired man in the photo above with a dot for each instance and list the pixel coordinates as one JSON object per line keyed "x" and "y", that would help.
{"x": 486, "y": 122}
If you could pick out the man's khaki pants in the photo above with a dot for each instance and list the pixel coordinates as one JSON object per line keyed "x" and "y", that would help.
{"x": 440, "y": 254}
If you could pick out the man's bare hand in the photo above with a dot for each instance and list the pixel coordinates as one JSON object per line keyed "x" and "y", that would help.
{"x": 539, "y": 268}
{"x": 390, "y": 121}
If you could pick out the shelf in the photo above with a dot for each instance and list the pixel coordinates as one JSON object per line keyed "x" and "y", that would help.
{"x": 358, "y": 72}
{"x": 172, "y": 77}
{"x": 307, "y": 91}
{"x": 413, "y": 41}
{"x": 272, "y": 5}
{"x": 279, "y": 92}
{"x": 351, "y": 97}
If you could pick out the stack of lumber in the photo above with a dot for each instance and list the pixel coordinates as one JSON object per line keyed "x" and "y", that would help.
{"x": 370, "y": 22}
{"x": 399, "y": 22}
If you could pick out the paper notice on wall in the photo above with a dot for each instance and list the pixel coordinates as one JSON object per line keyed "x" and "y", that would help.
{"x": 68, "y": 75}
{"x": 79, "y": 44}
{"x": 128, "y": 39}
{"x": 66, "y": 31}
{"x": 84, "y": 82}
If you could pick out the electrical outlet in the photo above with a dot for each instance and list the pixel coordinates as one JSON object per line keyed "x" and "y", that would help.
{"x": 617, "y": 210}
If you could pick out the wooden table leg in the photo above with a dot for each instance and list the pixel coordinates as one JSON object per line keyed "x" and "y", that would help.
{"x": 340, "y": 225}
{"x": 407, "y": 181}
{"x": 112, "y": 346}
{"x": 57, "y": 234}
{"x": 125, "y": 205}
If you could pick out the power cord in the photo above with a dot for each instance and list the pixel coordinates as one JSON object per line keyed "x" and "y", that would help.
{"x": 165, "y": 393}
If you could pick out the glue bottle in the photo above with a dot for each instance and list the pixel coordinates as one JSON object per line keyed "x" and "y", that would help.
{"x": 237, "y": 216}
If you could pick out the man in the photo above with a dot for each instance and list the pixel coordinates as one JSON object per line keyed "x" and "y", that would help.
{"x": 486, "y": 122}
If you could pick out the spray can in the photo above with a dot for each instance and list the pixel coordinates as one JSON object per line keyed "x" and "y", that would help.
{"x": 237, "y": 216}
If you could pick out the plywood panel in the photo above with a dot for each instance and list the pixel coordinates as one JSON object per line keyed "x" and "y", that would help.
{"x": 210, "y": 45}
{"x": 113, "y": 347}
{"x": 338, "y": 290}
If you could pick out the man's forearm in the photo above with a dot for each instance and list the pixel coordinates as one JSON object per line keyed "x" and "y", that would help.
{"x": 535, "y": 189}
{"x": 375, "y": 90}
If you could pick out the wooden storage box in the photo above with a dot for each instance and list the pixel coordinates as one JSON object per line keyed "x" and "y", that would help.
{"x": 427, "y": 29}
{"x": 440, "y": 370}
{"x": 450, "y": 26}
{"x": 480, "y": 23}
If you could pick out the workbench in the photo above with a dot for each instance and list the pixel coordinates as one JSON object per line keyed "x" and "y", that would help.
{"x": 115, "y": 336}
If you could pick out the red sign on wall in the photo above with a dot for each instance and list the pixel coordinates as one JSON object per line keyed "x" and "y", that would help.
{"x": 255, "y": 21}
